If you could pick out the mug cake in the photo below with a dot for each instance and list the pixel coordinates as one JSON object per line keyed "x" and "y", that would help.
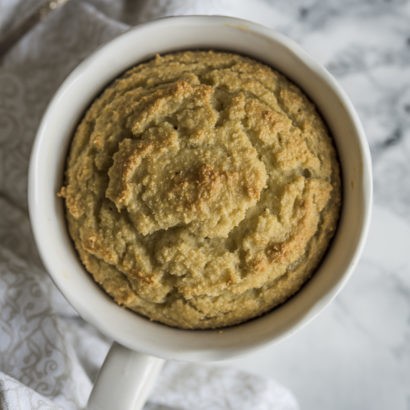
{"x": 202, "y": 189}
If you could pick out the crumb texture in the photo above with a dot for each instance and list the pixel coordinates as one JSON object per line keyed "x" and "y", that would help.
{"x": 202, "y": 189}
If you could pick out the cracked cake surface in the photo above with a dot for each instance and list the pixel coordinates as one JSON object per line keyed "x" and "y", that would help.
{"x": 202, "y": 189}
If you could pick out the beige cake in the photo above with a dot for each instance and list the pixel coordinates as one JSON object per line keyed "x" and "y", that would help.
{"x": 202, "y": 189}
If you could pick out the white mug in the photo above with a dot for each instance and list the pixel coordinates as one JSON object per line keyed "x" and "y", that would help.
{"x": 141, "y": 345}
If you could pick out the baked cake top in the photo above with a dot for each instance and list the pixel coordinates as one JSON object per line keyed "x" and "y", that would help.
{"x": 202, "y": 189}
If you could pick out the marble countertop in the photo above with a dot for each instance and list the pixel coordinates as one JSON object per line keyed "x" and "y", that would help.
{"x": 356, "y": 354}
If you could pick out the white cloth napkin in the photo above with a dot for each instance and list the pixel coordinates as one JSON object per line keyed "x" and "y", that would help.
{"x": 49, "y": 356}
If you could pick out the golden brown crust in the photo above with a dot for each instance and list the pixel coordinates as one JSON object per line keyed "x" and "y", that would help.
{"x": 202, "y": 189}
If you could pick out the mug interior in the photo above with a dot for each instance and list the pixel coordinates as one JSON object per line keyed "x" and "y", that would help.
{"x": 47, "y": 167}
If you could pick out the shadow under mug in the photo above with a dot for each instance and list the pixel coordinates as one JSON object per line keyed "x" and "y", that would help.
{"x": 141, "y": 345}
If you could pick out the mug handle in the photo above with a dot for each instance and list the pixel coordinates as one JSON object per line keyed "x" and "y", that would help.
{"x": 125, "y": 380}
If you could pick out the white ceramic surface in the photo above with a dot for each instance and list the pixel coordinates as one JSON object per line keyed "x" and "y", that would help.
{"x": 46, "y": 170}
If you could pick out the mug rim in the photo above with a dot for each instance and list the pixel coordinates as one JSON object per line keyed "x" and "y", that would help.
{"x": 123, "y": 325}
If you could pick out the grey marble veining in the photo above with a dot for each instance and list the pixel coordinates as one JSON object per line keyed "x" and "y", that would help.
{"x": 366, "y": 46}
